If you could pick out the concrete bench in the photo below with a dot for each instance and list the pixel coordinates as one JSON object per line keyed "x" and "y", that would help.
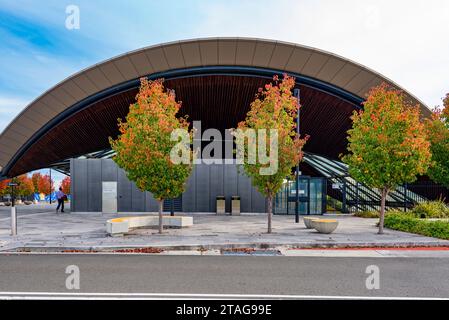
{"x": 119, "y": 226}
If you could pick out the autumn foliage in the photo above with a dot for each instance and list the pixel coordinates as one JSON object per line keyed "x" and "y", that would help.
{"x": 437, "y": 128}
{"x": 42, "y": 183}
{"x": 65, "y": 185}
{"x": 387, "y": 143}
{"x": 4, "y": 189}
{"x": 274, "y": 108}
{"x": 25, "y": 187}
{"x": 144, "y": 144}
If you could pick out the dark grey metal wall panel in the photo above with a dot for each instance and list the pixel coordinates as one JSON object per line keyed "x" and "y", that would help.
{"x": 72, "y": 185}
{"x": 124, "y": 192}
{"x": 244, "y": 191}
{"x": 189, "y": 196}
{"x": 138, "y": 199}
{"x": 80, "y": 196}
{"x": 94, "y": 185}
{"x": 230, "y": 184}
{"x": 216, "y": 187}
{"x": 204, "y": 184}
{"x": 151, "y": 204}
{"x": 202, "y": 189}
{"x": 109, "y": 170}
{"x": 257, "y": 201}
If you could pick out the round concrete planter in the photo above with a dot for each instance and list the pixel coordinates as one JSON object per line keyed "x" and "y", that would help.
{"x": 308, "y": 221}
{"x": 324, "y": 225}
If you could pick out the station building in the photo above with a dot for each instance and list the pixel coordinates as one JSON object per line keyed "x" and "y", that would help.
{"x": 67, "y": 127}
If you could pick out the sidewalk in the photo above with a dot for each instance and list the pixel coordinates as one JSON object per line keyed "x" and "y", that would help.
{"x": 49, "y": 231}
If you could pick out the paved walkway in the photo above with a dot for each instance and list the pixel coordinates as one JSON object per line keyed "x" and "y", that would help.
{"x": 51, "y": 231}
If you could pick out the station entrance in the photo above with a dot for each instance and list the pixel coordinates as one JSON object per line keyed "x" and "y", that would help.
{"x": 310, "y": 198}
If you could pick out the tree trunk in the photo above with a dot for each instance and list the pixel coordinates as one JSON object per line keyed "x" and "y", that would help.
{"x": 161, "y": 207}
{"x": 269, "y": 211}
{"x": 384, "y": 194}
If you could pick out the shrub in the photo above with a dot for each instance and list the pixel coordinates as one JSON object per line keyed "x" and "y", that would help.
{"x": 410, "y": 223}
{"x": 431, "y": 209}
{"x": 367, "y": 214}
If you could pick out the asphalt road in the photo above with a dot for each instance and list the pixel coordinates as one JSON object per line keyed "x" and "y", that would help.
{"x": 203, "y": 275}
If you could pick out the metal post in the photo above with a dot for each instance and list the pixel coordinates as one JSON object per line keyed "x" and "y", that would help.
{"x": 296, "y": 94}
{"x": 13, "y": 213}
{"x": 308, "y": 196}
{"x": 405, "y": 197}
{"x": 172, "y": 207}
{"x": 343, "y": 205}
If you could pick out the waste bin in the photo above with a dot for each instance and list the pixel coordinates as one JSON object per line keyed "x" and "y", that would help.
{"x": 221, "y": 205}
{"x": 235, "y": 205}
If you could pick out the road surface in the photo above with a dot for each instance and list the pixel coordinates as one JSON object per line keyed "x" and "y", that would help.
{"x": 201, "y": 276}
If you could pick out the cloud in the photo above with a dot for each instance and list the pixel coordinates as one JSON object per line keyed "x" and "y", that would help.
{"x": 9, "y": 108}
{"x": 404, "y": 40}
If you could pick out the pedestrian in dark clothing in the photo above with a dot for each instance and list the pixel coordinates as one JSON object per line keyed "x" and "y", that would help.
{"x": 61, "y": 197}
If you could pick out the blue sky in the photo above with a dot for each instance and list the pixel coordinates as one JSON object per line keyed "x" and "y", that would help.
{"x": 404, "y": 40}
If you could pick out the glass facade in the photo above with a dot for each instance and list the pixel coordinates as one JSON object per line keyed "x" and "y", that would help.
{"x": 311, "y": 196}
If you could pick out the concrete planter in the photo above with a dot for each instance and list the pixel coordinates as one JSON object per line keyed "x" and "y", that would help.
{"x": 119, "y": 226}
{"x": 308, "y": 221}
{"x": 324, "y": 225}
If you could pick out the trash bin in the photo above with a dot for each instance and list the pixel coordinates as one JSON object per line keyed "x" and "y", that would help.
{"x": 221, "y": 205}
{"x": 235, "y": 205}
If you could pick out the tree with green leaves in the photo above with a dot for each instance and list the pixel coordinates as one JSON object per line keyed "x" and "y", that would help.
{"x": 147, "y": 148}
{"x": 437, "y": 128}
{"x": 387, "y": 143}
{"x": 269, "y": 129}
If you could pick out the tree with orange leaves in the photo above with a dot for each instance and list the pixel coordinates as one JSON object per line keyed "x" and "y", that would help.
{"x": 269, "y": 129}
{"x": 437, "y": 128}
{"x": 4, "y": 189}
{"x": 42, "y": 183}
{"x": 146, "y": 148}
{"x": 387, "y": 143}
{"x": 65, "y": 185}
{"x": 25, "y": 185}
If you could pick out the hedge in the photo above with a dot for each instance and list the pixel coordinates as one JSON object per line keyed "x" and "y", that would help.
{"x": 409, "y": 223}
{"x": 367, "y": 214}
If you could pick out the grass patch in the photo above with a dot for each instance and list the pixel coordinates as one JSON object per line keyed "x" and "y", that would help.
{"x": 410, "y": 223}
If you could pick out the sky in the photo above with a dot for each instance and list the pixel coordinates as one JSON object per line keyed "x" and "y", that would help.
{"x": 405, "y": 40}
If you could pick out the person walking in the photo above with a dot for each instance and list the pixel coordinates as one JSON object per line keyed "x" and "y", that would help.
{"x": 61, "y": 197}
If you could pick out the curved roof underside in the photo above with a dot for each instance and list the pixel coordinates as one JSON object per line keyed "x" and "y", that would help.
{"x": 326, "y": 68}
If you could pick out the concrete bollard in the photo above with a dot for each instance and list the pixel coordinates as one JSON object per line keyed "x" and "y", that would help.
{"x": 13, "y": 221}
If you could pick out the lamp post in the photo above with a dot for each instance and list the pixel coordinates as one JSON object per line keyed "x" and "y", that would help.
{"x": 296, "y": 94}
{"x": 50, "y": 186}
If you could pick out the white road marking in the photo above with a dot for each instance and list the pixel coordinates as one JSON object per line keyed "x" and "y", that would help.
{"x": 190, "y": 296}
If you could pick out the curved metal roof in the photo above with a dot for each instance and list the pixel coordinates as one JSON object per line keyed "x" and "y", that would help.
{"x": 276, "y": 55}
